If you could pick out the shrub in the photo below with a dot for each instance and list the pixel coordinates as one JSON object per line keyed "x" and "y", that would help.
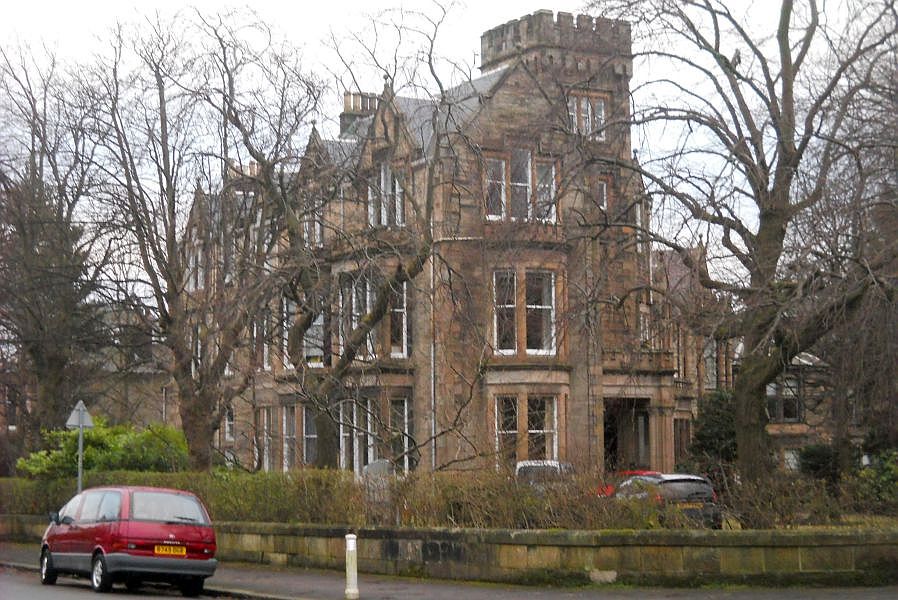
{"x": 108, "y": 448}
{"x": 715, "y": 430}
{"x": 308, "y": 496}
{"x": 819, "y": 461}
{"x": 481, "y": 500}
{"x": 874, "y": 489}
{"x": 782, "y": 500}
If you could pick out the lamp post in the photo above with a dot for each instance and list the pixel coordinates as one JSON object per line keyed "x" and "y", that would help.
{"x": 80, "y": 419}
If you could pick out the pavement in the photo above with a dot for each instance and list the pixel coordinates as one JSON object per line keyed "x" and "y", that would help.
{"x": 266, "y": 582}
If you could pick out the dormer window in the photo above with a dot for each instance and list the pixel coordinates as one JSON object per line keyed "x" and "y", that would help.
{"x": 586, "y": 115}
{"x": 385, "y": 199}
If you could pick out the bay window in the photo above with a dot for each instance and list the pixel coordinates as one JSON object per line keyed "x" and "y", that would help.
{"x": 520, "y": 187}
{"x": 533, "y": 417}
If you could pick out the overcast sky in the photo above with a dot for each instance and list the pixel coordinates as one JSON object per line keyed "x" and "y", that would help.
{"x": 72, "y": 26}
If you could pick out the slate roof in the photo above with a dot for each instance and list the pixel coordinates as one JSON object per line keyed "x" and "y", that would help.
{"x": 344, "y": 152}
{"x": 462, "y": 104}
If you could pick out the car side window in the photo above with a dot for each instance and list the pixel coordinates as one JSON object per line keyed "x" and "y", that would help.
{"x": 90, "y": 507}
{"x": 71, "y": 507}
{"x": 110, "y": 507}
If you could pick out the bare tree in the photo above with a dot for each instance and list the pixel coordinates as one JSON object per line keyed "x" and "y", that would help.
{"x": 747, "y": 131}
{"x": 200, "y": 238}
{"x": 52, "y": 249}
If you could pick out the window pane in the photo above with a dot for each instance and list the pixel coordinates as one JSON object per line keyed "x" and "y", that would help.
{"x": 165, "y": 506}
{"x": 110, "y": 506}
{"x": 540, "y": 311}
{"x": 545, "y": 192}
{"x": 791, "y": 408}
{"x": 539, "y": 289}
{"x": 505, "y": 333}
{"x": 597, "y": 127}
{"x": 398, "y": 322}
{"x": 374, "y": 206}
{"x": 506, "y": 428}
{"x": 401, "y": 442}
{"x": 505, "y": 310}
{"x": 519, "y": 202}
{"x": 91, "y": 506}
{"x": 313, "y": 341}
{"x": 505, "y": 284}
{"x": 572, "y": 113}
{"x": 585, "y": 115}
{"x": 601, "y": 195}
{"x": 508, "y": 413}
{"x": 520, "y": 167}
{"x": 495, "y": 193}
{"x": 289, "y": 449}
{"x": 398, "y": 200}
{"x": 540, "y": 427}
{"x": 309, "y": 436}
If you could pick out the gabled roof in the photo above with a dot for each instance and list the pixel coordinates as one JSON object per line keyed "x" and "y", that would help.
{"x": 342, "y": 152}
{"x": 461, "y": 105}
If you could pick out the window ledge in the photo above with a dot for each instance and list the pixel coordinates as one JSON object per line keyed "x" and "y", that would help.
{"x": 531, "y": 352}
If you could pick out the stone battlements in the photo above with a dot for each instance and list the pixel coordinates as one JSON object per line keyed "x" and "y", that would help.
{"x": 543, "y": 29}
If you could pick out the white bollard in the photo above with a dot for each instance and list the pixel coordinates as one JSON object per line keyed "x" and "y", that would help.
{"x": 352, "y": 571}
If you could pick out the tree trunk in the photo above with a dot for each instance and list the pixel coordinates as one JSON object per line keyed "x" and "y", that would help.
{"x": 197, "y": 429}
{"x": 753, "y": 445}
{"x": 50, "y": 409}
{"x": 328, "y": 442}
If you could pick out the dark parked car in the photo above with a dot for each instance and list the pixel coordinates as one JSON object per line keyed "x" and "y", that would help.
{"x": 692, "y": 494}
{"x": 606, "y": 490}
{"x": 540, "y": 472}
{"x": 131, "y": 535}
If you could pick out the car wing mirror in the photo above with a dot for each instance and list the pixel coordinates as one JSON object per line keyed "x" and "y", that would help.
{"x": 54, "y": 517}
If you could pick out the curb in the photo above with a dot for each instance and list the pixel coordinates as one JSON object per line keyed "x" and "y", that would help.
{"x": 214, "y": 591}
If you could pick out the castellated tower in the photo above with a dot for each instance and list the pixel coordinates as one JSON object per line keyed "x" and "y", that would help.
{"x": 563, "y": 43}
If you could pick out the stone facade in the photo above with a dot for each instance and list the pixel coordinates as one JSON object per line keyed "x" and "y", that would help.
{"x": 529, "y": 333}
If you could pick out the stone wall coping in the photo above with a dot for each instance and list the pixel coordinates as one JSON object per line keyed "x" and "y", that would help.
{"x": 555, "y": 537}
{"x": 815, "y": 536}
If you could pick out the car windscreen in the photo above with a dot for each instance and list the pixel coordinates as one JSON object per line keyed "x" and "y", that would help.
{"x": 686, "y": 489}
{"x": 166, "y": 506}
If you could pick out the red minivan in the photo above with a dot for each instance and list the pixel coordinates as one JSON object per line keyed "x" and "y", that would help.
{"x": 131, "y": 534}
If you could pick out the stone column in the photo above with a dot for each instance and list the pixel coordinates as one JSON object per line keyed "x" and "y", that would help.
{"x": 661, "y": 438}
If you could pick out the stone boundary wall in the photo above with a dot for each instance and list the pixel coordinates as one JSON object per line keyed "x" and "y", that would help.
{"x": 660, "y": 556}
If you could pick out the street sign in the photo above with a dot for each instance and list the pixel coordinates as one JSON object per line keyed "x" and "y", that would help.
{"x": 79, "y": 417}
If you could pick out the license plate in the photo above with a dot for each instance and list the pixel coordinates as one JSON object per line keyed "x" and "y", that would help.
{"x": 691, "y": 505}
{"x": 171, "y": 550}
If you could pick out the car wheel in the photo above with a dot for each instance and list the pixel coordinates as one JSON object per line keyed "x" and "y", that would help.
{"x": 193, "y": 587}
{"x": 48, "y": 573}
{"x": 100, "y": 580}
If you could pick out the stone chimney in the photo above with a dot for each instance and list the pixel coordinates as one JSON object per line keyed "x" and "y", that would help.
{"x": 356, "y": 105}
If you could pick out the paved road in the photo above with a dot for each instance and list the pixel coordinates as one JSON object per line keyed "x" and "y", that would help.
{"x": 18, "y": 584}
{"x": 281, "y": 583}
